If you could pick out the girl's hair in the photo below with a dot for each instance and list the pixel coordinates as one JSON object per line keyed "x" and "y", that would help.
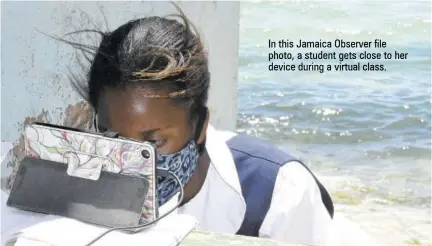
{"x": 161, "y": 54}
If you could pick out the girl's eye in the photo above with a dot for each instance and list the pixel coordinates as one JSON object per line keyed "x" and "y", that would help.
{"x": 159, "y": 142}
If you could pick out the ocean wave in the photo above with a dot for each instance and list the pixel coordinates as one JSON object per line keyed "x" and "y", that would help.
{"x": 408, "y": 124}
{"x": 323, "y": 129}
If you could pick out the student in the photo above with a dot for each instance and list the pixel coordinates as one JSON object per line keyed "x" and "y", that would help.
{"x": 149, "y": 80}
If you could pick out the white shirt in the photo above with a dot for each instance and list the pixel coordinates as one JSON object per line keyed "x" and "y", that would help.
{"x": 296, "y": 215}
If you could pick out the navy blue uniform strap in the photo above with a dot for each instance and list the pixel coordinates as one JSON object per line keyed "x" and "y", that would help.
{"x": 258, "y": 163}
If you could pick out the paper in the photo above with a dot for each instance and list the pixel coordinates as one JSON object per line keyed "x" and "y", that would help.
{"x": 48, "y": 230}
{"x": 13, "y": 220}
{"x": 170, "y": 231}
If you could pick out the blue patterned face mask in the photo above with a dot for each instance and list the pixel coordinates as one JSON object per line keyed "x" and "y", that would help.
{"x": 182, "y": 164}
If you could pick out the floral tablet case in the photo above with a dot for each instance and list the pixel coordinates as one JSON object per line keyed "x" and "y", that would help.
{"x": 86, "y": 154}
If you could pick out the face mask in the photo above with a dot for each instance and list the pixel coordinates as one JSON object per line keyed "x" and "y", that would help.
{"x": 182, "y": 164}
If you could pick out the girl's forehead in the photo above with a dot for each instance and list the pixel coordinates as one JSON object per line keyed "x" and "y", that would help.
{"x": 133, "y": 107}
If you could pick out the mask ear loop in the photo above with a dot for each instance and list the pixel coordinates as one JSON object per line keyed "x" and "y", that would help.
{"x": 202, "y": 115}
{"x": 95, "y": 122}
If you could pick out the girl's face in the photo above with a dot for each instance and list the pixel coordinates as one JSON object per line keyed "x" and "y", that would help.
{"x": 132, "y": 115}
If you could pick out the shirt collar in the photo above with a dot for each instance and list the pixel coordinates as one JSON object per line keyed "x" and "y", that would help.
{"x": 221, "y": 157}
{"x": 219, "y": 206}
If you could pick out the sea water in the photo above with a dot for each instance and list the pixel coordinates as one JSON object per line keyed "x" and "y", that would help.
{"x": 366, "y": 134}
